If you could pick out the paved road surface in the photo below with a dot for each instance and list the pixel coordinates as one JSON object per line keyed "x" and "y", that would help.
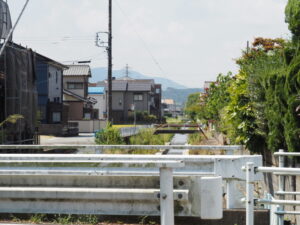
{"x": 82, "y": 139}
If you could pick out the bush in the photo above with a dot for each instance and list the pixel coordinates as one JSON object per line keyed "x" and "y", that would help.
{"x": 146, "y": 137}
{"x": 143, "y": 117}
{"x": 109, "y": 136}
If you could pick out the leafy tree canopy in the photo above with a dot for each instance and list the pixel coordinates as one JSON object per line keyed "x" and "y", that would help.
{"x": 292, "y": 17}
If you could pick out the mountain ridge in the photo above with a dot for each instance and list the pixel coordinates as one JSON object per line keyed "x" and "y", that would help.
{"x": 179, "y": 95}
{"x": 100, "y": 74}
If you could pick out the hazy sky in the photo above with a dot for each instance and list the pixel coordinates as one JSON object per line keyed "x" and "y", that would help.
{"x": 188, "y": 41}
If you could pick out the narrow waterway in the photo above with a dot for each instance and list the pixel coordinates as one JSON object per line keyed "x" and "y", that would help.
{"x": 179, "y": 139}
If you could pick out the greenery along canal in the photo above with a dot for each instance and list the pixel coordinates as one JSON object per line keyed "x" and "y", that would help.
{"x": 111, "y": 136}
{"x": 259, "y": 106}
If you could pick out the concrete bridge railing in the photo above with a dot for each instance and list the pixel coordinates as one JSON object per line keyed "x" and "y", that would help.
{"x": 122, "y": 184}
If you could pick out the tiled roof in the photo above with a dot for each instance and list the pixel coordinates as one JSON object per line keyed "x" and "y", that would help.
{"x": 131, "y": 85}
{"x": 78, "y": 70}
{"x": 119, "y": 85}
{"x": 140, "y": 86}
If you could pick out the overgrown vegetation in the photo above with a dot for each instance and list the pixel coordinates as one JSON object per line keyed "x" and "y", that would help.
{"x": 146, "y": 137}
{"x": 258, "y": 106}
{"x": 77, "y": 219}
{"x": 143, "y": 117}
{"x": 109, "y": 136}
{"x": 195, "y": 139}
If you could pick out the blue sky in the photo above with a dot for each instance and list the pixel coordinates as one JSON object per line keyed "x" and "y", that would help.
{"x": 188, "y": 41}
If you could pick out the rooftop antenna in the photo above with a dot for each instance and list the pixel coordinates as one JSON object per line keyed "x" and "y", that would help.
{"x": 13, "y": 28}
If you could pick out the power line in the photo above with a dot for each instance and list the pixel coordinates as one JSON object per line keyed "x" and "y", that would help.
{"x": 141, "y": 39}
{"x": 91, "y": 58}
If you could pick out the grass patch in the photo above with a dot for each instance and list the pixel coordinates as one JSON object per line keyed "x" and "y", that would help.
{"x": 195, "y": 139}
{"x": 123, "y": 126}
{"x": 178, "y": 120}
{"x": 109, "y": 136}
{"x": 77, "y": 219}
{"x": 145, "y": 137}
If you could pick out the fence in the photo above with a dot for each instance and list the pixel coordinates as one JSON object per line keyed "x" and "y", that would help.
{"x": 278, "y": 211}
{"x": 120, "y": 184}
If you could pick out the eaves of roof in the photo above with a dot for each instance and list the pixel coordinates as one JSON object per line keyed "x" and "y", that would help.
{"x": 77, "y": 96}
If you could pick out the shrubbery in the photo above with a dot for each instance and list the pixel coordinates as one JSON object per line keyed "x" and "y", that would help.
{"x": 143, "y": 117}
{"x": 257, "y": 106}
{"x": 109, "y": 136}
{"x": 146, "y": 137}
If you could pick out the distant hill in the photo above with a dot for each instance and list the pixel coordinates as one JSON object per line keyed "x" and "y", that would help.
{"x": 180, "y": 95}
{"x": 99, "y": 74}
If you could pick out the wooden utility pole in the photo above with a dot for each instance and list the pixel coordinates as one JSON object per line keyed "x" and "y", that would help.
{"x": 109, "y": 75}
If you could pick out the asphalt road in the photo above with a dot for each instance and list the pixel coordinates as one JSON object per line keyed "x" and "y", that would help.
{"x": 82, "y": 139}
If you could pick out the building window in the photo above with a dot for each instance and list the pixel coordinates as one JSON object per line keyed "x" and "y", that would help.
{"x": 138, "y": 97}
{"x": 56, "y": 77}
{"x": 75, "y": 85}
{"x": 157, "y": 91}
{"x": 56, "y": 117}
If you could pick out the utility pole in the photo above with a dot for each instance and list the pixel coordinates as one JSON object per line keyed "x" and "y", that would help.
{"x": 127, "y": 71}
{"x": 109, "y": 75}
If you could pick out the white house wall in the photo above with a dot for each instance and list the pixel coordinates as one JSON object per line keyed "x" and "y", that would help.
{"x": 100, "y": 105}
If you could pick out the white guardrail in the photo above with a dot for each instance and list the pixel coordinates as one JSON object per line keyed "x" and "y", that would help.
{"x": 184, "y": 185}
{"x": 277, "y": 215}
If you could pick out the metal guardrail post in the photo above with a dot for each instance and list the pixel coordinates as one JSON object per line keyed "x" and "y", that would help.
{"x": 166, "y": 196}
{"x": 230, "y": 194}
{"x": 249, "y": 194}
{"x": 281, "y": 188}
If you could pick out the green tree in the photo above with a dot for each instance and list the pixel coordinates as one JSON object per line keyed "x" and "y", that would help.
{"x": 292, "y": 17}
{"x": 218, "y": 97}
{"x": 192, "y": 107}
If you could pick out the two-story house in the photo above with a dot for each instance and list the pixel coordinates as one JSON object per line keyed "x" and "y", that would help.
{"x": 75, "y": 90}
{"x": 139, "y": 95}
{"x": 50, "y": 91}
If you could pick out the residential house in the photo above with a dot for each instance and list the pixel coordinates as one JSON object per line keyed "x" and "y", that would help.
{"x": 50, "y": 90}
{"x": 139, "y": 95}
{"x": 169, "y": 107}
{"x": 98, "y": 93}
{"x": 75, "y": 92}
